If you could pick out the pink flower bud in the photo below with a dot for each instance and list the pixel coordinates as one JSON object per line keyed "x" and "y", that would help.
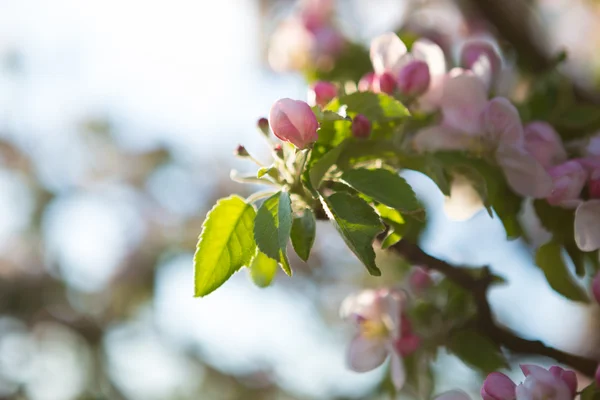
{"x": 361, "y": 127}
{"x": 596, "y": 287}
{"x": 594, "y": 184}
{"x": 323, "y": 92}
{"x": 366, "y": 82}
{"x": 498, "y": 386}
{"x": 414, "y": 78}
{"x": 567, "y": 376}
{"x": 419, "y": 280}
{"x": 597, "y": 377}
{"x": 501, "y": 122}
{"x": 568, "y": 180}
{"x": 293, "y": 121}
{"x": 263, "y": 126}
{"x": 474, "y": 50}
{"x": 384, "y": 83}
{"x": 278, "y": 150}
{"x": 407, "y": 345}
{"x": 544, "y": 144}
{"x": 241, "y": 151}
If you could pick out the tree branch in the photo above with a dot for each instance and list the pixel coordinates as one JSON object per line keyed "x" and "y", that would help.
{"x": 485, "y": 321}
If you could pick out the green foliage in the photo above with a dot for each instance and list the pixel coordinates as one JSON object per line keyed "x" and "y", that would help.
{"x": 590, "y": 392}
{"x": 477, "y": 351}
{"x": 358, "y": 224}
{"x": 396, "y": 225}
{"x": 272, "y": 228}
{"x": 350, "y": 65}
{"x": 375, "y": 106}
{"x": 262, "y": 269}
{"x": 383, "y": 186}
{"x": 550, "y": 261}
{"x": 303, "y": 233}
{"x": 320, "y": 161}
{"x": 225, "y": 244}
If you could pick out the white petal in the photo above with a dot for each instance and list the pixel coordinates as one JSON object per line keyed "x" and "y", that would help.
{"x": 587, "y": 225}
{"x": 463, "y": 101}
{"x": 525, "y": 175}
{"x": 364, "y": 304}
{"x": 366, "y": 354}
{"x": 464, "y": 201}
{"x": 438, "y": 137}
{"x": 397, "y": 370}
{"x": 432, "y": 54}
{"x": 453, "y": 395}
{"x": 386, "y": 52}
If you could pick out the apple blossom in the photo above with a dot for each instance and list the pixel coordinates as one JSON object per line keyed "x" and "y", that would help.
{"x": 382, "y": 331}
{"x": 498, "y": 386}
{"x": 544, "y": 143}
{"x": 596, "y": 287}
{"x": 587, "y": 225}
{"x": 593, "y": 147}
{"x": 569, "y": 179}
{"x": 419, "y": 280}
{"x": 293, "y": 121}
{"x": 453, "y": 395}
{"x": 414, "y": 78}
{"x": 482, "y": 57}
{"x": 541, "y": 384}
{"x": 322, "y": 93}
{"x": 366, "y": 82}
{"x": 567, "y": 376}
{"x": 361, "y": 127}
{"x": 594, "y": 184}
{"x": 387, "y": 52}
{"x": 384, "y": 83}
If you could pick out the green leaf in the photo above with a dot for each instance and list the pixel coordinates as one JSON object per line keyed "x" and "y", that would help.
{"x": 262, "y": 269}
{"x": 385, "y": 187}
{"x": 320, "y": 161}
{"x": 272, "y": 228}
{"x": 303, "y": 233}
{"x": 358, "y": 224}
{"x": 225, "y": 245}
{"x": 591, "y": 392}
{"x": 375, "y": 106}
{"x": 395, "y": 222}
{"x": 579, "y": 116}
{"x": 550, "y": 261}
{"x": 270, "y": 171}
{"x": 430, "y": 166}
{"x": 477, "y": 351}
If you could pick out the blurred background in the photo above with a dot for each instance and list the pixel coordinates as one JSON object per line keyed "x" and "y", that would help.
{"x": 118, "y": 119}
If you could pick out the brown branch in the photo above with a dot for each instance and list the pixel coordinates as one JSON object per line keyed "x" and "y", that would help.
{"x": 484, "y": 320}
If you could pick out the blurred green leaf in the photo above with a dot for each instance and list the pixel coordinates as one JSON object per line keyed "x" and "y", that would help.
{"x": 303, "y": 233}
{"x": 225, "y": 245}
{"x": 477, "y": 351}
{"x": 320, "y": 161}
{"x": 272, "y": 228}
{"x": 375, "y": 106}
{"x": 590, "y": 392}
{"x": 550, "y": 261}
{"x": 383, "y": 186}
{"x": 262, "y": 269}
{"x": 357, "y": 223}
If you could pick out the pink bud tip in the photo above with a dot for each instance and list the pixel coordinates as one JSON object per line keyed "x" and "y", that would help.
{"x": 407, "y": 345}
{"x": 474, "y": 50}
{"x": 596, "y": 287}
{"x": 594, "y": 184}
{"x": 324, "y": 92}
{"x": 598, "y": 376}
{"x": 361, "y": 127}
{"x": 366, "y": 82}
{"x": 263, "y": 125}
{"x": 384, "y": 83}
{"x": 241, "y": 151}
{"x": 419, "y": 280}
{"x": 498, "y": 386}
{"x": 414, "y": 78}
{"x": 293, "y": 121}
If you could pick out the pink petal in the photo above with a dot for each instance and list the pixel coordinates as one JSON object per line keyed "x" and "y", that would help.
{"x": 463, "y": 101}
{"x": 502, "y": 123}
{"x": 525, "y": 175}
{"x": 432, "y": 54}
{"x": 397, "y": 371}
{"x": 407, "y": 345}
{"x": 294, "y": 121}
{"x": 567, "y": 376}
{"x": 530, "y": 368}
{"x": 498, "y": 386}
{"x": 366, "y": 354}
{"x": 387, "y": 52}
{"x": 587, "y": 225}
{"x": 453, "y": 395}
{"x": 364, "y": 304}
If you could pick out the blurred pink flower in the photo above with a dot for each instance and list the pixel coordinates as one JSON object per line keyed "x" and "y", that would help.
{"x": 569, "y": 179}
{"x": 594, "y": 184}
{"x": 419, "y": 280}
{"x": 483, "y": 58}
{"x": 587, "y": 225}
{"x": 541, "y": 384}
{"x": 382, "y": 331}
{"x": 361, "y": 127}
{"x": 366, "y": 82}
{"x": 498, "y": 386}
{"x": 322, "y": 93}
{"x": 414, "y": 78}
{"x": 544, "y": 143}
{"x": 501, "y": 122}
{"x": 293, "y": 121}
{"x": 384, "y": 83}
{"x": 453, "y": 395}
